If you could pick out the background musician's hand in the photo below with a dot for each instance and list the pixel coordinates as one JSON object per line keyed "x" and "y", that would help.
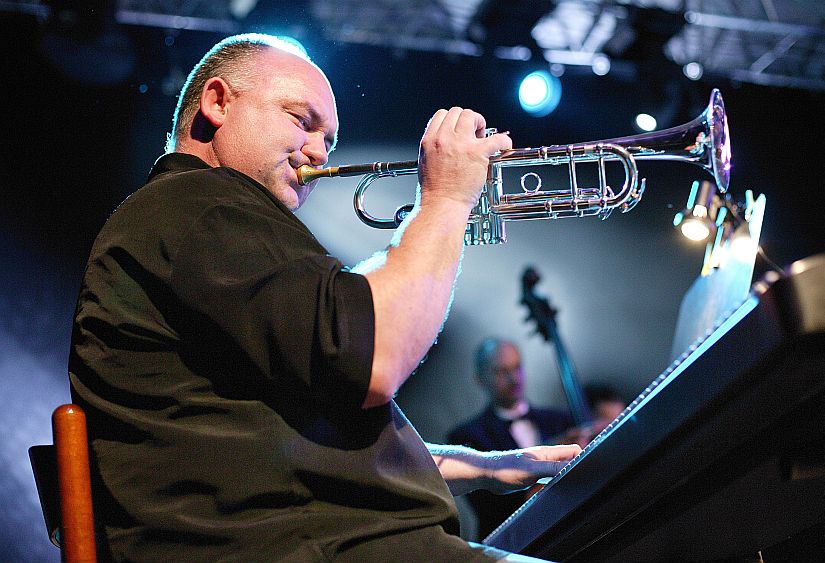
{"x": 454, "y": 155}
{"x": 518, "y": 469}
{"x": 583, "y": 435}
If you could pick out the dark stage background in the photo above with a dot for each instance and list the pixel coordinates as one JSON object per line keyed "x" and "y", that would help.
{"x": 75, "y": 144}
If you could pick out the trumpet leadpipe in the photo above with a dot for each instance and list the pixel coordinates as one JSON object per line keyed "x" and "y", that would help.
{"x": 307, "y": 173}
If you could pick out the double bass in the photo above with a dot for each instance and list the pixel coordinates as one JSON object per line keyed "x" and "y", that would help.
{"x": 544, "y": 315}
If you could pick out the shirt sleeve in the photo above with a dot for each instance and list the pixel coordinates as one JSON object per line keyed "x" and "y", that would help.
{"x": 257, "y": 286}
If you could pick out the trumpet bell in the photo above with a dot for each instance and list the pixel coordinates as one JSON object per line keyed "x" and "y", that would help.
{"x": 704, "y": 141}
{"x": 720, "y": 140}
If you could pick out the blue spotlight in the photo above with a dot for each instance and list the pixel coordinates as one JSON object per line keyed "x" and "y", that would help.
{"x": 539, "y": 93}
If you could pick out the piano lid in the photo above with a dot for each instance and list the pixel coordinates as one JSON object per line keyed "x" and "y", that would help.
{"x": 713, "y": 459}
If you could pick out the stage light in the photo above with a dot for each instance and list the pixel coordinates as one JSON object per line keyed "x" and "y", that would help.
{"x": 698, "y": 218}
{"x": 731, "y": 228}
{"x": 695, "y": 229}
{"x": 646, "y": 122}
{"x": 241, "y": 8}
{"x": 693, "y": 70}
{"x": 539, "y": 93}
{"x": 600, "y": 65}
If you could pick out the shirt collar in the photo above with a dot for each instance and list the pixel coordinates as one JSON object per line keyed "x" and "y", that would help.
{"x": 181, "y": 162}
{"x": 176, "y": 161}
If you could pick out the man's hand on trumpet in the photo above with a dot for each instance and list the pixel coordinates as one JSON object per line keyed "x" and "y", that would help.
{"x": 454, "y": 156}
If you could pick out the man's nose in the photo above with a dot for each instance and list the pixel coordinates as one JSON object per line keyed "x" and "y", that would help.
{"x": 316, "y": 149}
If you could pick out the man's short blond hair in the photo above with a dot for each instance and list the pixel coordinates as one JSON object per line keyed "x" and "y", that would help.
{"x": 230, "y": 60}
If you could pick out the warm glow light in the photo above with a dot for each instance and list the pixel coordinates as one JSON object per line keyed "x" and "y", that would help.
{"x": 695, "y": 229}
{"x": 742, "y": 247}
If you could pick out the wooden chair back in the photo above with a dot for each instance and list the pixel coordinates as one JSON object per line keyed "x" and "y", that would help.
{"x": 61, "y": 472}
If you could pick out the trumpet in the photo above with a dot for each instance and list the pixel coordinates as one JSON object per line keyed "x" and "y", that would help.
{"x": 704, "y": 142}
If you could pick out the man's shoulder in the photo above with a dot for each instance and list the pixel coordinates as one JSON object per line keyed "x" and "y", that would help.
{"x": 172, "y": 200}
{"x": 547, "y": 411}
{"x": 206, "y": 185}
{"x": 185, "y": 170}
{"x": 160, "y": 215}
{"x": 551, "y": 420}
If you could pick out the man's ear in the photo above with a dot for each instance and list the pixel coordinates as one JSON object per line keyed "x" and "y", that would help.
{"x": 214, "y": 101}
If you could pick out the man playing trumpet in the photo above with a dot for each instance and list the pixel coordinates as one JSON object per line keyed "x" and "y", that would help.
{"x": 238, "y": 380}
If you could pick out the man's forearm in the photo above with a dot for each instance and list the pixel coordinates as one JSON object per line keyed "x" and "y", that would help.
{"x": 411, "y": 289}
{"x": 464, "y": 469}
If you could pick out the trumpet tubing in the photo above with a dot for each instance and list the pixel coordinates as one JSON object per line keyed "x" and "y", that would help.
{"x": 703, "y": 142}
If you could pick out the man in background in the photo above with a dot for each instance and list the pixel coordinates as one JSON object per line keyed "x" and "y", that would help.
{"x": 507, "y": 422}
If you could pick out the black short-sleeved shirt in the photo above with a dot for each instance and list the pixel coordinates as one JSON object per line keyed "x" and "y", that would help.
{"x": 222, "y": 357}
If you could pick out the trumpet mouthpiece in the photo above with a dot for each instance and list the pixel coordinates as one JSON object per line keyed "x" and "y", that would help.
{"x": 307, "y": 173}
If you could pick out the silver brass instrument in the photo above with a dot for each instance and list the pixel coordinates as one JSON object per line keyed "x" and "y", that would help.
{"x": 704, "y": 142}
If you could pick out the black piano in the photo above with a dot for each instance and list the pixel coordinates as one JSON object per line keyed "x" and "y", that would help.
{"x": 720, "y": 458}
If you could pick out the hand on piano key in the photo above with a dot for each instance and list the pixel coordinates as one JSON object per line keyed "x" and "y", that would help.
{"x": 583, "y": 435}
{"x": 515, "y": 470}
